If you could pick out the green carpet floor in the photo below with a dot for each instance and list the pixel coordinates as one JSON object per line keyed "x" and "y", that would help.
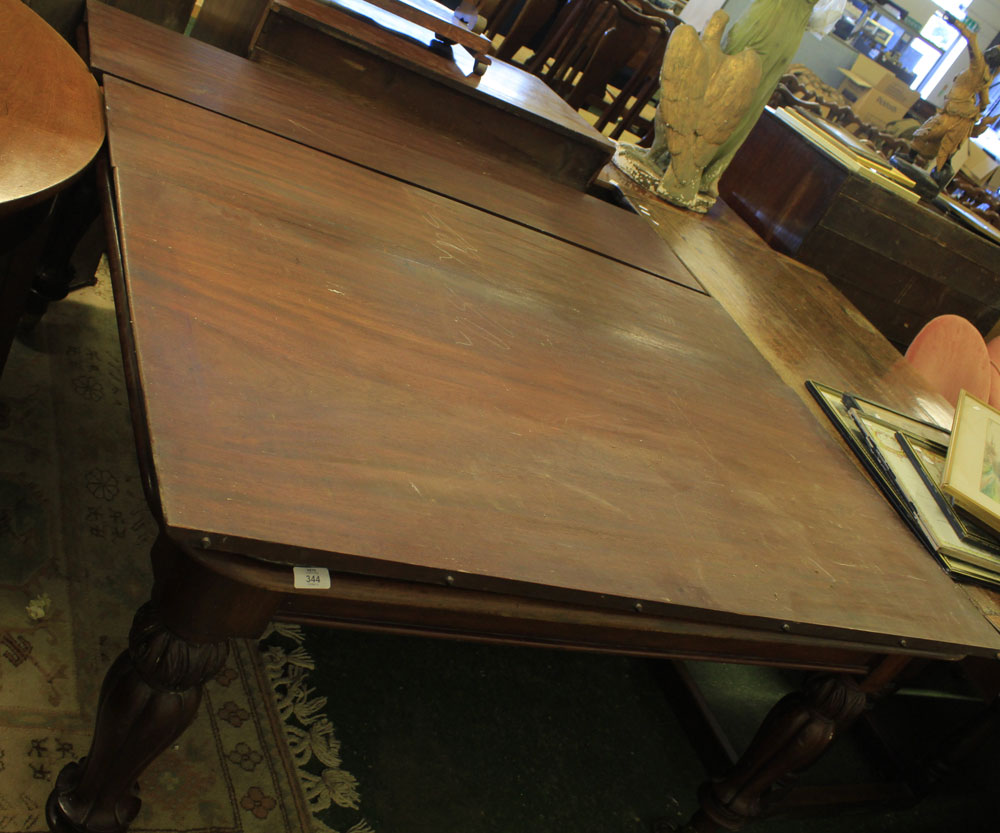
{"x": 446, "y": 736}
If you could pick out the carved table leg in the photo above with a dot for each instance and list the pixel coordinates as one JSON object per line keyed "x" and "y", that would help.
{"x": 178, "y": 641}
{"x": 795, "y": 732}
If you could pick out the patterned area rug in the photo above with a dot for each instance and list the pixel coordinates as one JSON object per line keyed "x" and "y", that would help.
{"x": 74, "y": 542}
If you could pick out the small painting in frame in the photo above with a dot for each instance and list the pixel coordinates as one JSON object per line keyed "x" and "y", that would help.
{"x": 929, "y": 459}
{"x": 972, "y": 469}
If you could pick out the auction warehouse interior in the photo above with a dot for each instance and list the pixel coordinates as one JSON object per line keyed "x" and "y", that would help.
{"x": 499, "y": 416}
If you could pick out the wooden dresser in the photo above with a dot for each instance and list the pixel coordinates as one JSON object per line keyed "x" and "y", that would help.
{"x": 901, "y": 263}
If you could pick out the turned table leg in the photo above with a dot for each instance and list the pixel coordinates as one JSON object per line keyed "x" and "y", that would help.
{"x": 794, "y": 734}
{"x": 178, "y": 641}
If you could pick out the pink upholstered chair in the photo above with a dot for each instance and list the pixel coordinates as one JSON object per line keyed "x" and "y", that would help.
{"x": 993, "y": 348}
{"x": 951, "y": 355}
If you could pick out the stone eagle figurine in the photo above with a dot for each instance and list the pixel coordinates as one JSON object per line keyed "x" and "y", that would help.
{"x": 704, "y": 94}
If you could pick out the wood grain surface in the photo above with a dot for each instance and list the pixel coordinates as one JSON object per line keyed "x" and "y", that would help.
{"x": 926, "y": 264}
{"x": 371, "y": 65}
{"x": 50, "y": 121}
{"x": 375, "y": 62}
{"x": 405, "y": 44}
{"x": 306, "y": 111}
{"x": 378, "y": 34}
{"x": 173, "y": 14}
{"x": 434, "y": 17}
{"x": 809, "y": 331}
{"x": 342, "y": 369}
{"x": 781, "y": 194}
{"x": 801, "y": 323}
{"x": 228, "y": 24}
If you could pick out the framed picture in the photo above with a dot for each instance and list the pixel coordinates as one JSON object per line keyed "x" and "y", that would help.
{"x": 929, "y": 460}
{"x": 837, "y": 405}
{"x": 841, "y": 409}
{"x": 881, "y": 439}
{"x": 926, "y": 431}
{"x": 937, "y": 530}
{"x": 972, "y": 468}
{"x": 833, "y": 405}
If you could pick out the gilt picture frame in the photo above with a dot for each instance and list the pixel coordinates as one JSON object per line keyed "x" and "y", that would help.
{"x": 838, "y": 404}
{"x": 972, "y": 468}
{"x": 840, "y": 407}
{"x": 929, "y": 461}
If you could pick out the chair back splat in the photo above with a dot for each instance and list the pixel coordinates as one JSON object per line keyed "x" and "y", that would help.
{"x": 596, "y": 43}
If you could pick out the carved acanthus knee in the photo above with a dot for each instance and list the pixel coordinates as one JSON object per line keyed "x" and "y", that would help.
{"x": 165, "y": 661}
{"x": 150, "y": 695}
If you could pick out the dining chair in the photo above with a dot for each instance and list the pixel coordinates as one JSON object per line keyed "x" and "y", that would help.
{"x": 951, "y": 354}
{"x": 626, "y": 108}
{"x": 594, "y": 43}
{"x": 520, "y": 22}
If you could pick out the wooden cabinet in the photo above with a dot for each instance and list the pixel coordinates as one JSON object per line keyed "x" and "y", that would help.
{"x": 901, "y": 263}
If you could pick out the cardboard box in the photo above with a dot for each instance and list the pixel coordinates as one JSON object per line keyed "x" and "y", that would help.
{"x": 876, "y": 95}
{"x": 994, "y": 181}
{"x": 869, "y": 71}
{"x": 979, "y": 166}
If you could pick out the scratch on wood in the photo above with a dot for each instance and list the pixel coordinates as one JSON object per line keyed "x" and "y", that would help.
{"x": 592, "y": 496}
{"x": 823, "y": 569}
{"x": 450, "y": 242}
{"x": 303, "y": 127}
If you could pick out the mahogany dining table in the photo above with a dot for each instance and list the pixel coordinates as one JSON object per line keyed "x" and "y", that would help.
{"x": 386, "y": 382}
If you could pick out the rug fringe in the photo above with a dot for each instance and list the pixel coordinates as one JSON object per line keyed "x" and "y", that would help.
{"x": 314, "y": 737}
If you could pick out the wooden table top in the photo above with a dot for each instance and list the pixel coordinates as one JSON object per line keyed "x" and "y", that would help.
{"x": 811, "y": 331}
{"x": 342, "y": 369}
{"x": 304, "y": 110}
{"x": 503, "y": 85}
{"x": 51, "y": 125}
{"x": 420, "y": 21}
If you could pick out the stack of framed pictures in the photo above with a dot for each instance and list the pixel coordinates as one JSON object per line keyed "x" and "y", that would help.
{"x": 906, "y": 458}
{"x": 972, "y": 471}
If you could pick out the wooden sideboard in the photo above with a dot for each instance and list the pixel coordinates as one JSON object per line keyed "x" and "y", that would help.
{"x": 901, "y": 263}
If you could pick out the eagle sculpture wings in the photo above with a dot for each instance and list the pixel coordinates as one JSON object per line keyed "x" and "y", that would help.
{"x": 703, "y": 95}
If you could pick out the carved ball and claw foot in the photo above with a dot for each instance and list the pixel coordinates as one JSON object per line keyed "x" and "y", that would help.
{"x": 149, "y": 697}
{"x": 794, "y": 734}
